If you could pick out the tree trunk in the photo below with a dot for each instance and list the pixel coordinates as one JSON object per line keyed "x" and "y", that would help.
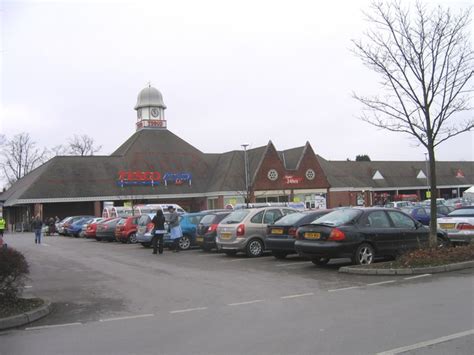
{"x": 434, "y": 195}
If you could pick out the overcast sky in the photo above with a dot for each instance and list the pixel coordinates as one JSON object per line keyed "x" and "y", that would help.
{"x": 230, "y": 72}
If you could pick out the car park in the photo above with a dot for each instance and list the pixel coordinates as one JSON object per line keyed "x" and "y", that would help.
{"x": 244, "y": 230}
{"x": 126, "y": 230}
{"x": 362, "y": 234}
{"x": 68, "y": 223}
{"x": 206, "y": 230}
{"x": 106, "y": 229}
{"x": 459, "y": 225}
{"x": 281, "y": 235}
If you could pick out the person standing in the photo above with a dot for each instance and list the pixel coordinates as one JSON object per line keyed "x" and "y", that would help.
{"x": 175, "y": 229}
{"x": 2, "y": 226}
{"x": 37, "y": 225}
{"x": 158, "y": 231}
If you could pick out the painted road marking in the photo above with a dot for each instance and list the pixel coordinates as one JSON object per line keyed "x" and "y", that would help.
{"x": 427, "y": 343}
{"x": 28, "y": 286}
{"x": 382, "y": 283}
{"x": 216, "y": 254}
{"x": 126, "y": 317}
{"x": 44, "y": 244}
{"x": 344, "y": 289}
{"x": 52, "y": 326}
{"x": 416, "y": 277}
{"x": 188, "y": 310}
{"x": 290, "y": 264}
{"x": 300, "y": 295}
{"x": 234, "y": 260}
{"x": 243, "y": 303}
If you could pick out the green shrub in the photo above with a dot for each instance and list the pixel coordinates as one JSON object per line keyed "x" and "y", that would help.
{"x": 13, "y": 271}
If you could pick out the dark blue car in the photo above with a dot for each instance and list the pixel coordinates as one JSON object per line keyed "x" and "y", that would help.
{"x": 421, "y": 214}
{"x": 75, "y": 228}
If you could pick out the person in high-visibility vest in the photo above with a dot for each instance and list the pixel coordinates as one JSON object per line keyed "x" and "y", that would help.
{"x": 2, "y": 225}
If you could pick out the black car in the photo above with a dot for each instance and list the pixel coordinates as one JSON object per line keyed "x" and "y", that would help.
{"x": 206, "y": 230}
{"x": 281, "y": 235}
{"x": 362, "y": 234}
{"x": 106, "y": 230}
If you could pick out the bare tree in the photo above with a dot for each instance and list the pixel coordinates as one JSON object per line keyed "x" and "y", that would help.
{"x": 425, "y": 60}
{"x": 83, "y": 145}
{"x": 59, "y": 150}
{"x": 19, "y": 156}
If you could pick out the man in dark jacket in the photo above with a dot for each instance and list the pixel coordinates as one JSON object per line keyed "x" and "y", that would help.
{"x": 158, "y": 231}
{"x": 36, "y": 226}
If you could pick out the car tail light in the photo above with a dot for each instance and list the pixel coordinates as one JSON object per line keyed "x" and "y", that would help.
{"x": 212, "y": 228}
{"x": 337, "y": 235}
{"x": 292, "y": 232}
{"x": 240, "y": 230}
{"x": 465, "y": 226}
{"x": 298, "y": 235}
{"x": 150, "y": 226}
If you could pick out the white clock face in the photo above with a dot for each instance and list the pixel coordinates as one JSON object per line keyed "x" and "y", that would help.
{"x": 155, "y": 112}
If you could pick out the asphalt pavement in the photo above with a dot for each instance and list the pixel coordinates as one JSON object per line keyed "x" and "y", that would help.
{"x": 111, "y": 298}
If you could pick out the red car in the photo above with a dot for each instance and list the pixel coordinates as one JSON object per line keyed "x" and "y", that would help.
{"x": 126, "y": 230}
{"x": 92, "y": 228}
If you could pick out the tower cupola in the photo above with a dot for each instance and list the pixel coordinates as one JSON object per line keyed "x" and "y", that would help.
{"x": 150, "y": 109}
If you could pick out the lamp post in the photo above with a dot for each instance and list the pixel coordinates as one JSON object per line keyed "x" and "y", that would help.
{"x": 245, "y": 145}
{"x": 427, "y": 174}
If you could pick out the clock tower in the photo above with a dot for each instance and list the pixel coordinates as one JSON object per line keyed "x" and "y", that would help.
{"x": 150, "y": 109}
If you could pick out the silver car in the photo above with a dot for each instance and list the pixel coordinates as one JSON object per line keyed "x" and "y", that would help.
{"x": 245, "y": 230}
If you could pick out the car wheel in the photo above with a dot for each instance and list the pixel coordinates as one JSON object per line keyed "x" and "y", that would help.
{"x": 254, "y": 248}
{"x": 320, "y": 261}
{"x": 364, "y": 254}
{"x": 184, "y": 242}
{"x": 230, "y": 252}
{"x": 279, "y": 254}
{"x": 146, "y": 245}
{"x": 132, "y": 238}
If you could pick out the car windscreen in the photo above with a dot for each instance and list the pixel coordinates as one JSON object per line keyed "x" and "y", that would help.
{"x": 338, "y": 217}
{"x": 208, "y": 219}
{"x": 290, "y": 219}
{"x": 144, "y": 220}
{"x": 469, "y": 212}
{"x": 236, "y": 217}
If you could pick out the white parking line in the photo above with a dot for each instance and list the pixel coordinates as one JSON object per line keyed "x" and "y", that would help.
{"x": 427, "y": 343}
{"x": 188, "y": 310}
{"x": 216, "y": 254}
{"x": 416, "y": 277}
{"x": 52, "y": 326}
{"x": 382, "y": 283}
{"x": 290, "y": 264}
{"x": 127, "y": 317}
{"x": 243, "y": 303}
{"x": 300, "y": 295}
{"x": 28, "y": 286}
{"x": 344, "y": 289}
{"x": 234, "y": 260}
{"x": 44, "y": 244}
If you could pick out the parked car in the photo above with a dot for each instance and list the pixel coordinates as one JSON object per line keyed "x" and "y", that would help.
{"x": 281, "y": 235}
{"x": 83, "y": 233}
{"x": 60, "y": 225}
{"x": 188, "y": 223}
{"x": 126, "y": 230}
{"x": 206, "y": 230}
{"x": 91, "y": 227}
{"x": 398, "y": 204}
{"x": 67, "y": 224}
{"x": 459, "y": 225}
{"x": 75, "y": 228}
{"x": 421, "y": 213}
{"x": 106, "y": 229}
{"x": 144, "y": 228}
{"x": 362, "y": 234}
{"x": 245, "y": 230}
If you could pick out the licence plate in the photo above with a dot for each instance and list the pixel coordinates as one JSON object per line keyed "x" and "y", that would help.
{"x": 226, "y": 235}
{"x": 308, "y": 235}
{"x": 199, "y": 239}
{"x": 277, "y": 231}
{"x": 447, "y": 225}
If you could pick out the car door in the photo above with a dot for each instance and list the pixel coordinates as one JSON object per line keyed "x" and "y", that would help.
{"x": 271, "y": 216}
{"x": 376, "y": 227}
{"x": 412, "y": 236}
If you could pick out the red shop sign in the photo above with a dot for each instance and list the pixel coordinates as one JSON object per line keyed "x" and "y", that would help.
{"x": 139, "y": 175}
{"x": 292, "y": 180}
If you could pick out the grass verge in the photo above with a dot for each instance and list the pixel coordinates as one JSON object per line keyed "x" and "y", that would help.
{"x": 20, "y": 305}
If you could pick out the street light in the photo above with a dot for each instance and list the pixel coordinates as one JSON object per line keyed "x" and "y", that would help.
{"x": 427, "y": 174}
{"x": 245, "y": 145}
